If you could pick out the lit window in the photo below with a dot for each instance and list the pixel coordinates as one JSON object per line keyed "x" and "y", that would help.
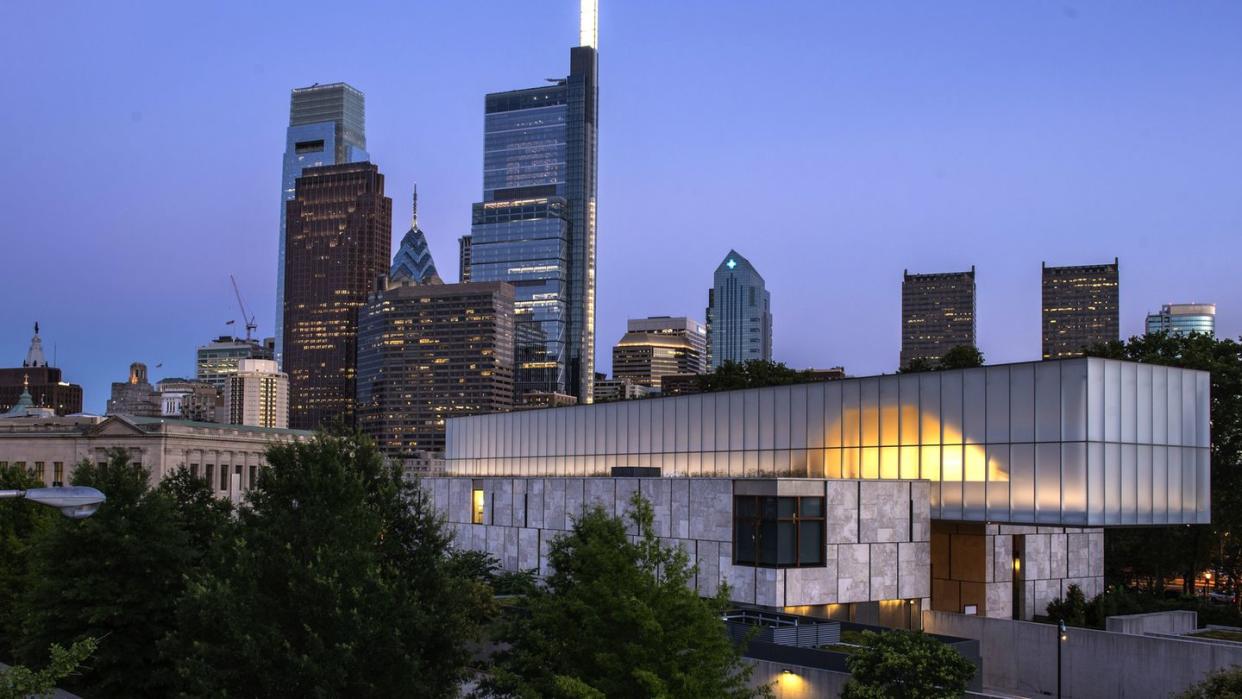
{"x": 479, "y": 506}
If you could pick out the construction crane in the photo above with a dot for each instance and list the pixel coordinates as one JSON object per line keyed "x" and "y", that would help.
{"x": 248, "y": 320}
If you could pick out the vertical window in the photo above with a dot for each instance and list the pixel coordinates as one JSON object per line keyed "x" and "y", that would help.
{"x": 58, "y": 473}
{"x": 208, "y": 473}
{"x": 778, "y": 532}
{"x": 224, "y": 477}
{"x": 479, "y": 506}
{"x": 254, "y": 471}
{"x": 194, "y": 470}
{"x": 37, "y": 472}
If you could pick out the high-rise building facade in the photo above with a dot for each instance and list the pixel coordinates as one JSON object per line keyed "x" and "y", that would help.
{"x": 413, "y": 259}
{"x": 655, "y": 347}
{"x": 217, "y": 360}
{"x": 535, "y": 227}
{"x": 44, "y": 383}
{"x": 937, "y": 314}
{"x": 135, "y": 396}
{"x": 1080, "y": 308}
{"x": 1184, "y": 319}
{"x": 339, "y": 245}
{"x": 430, "y": 352}
{"x": 739, "y": 314}
{"x": 327, "y": 126}
{"x": 463, "y": 258}
{"x": 257, "y": 395}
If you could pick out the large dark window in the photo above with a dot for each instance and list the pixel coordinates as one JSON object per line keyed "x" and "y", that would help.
{"x": 778, "y": 532}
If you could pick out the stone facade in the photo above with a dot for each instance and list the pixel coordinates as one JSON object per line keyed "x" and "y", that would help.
{"x": 877, "y": 532}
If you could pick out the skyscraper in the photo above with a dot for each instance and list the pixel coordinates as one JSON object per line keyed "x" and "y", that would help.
{"x": 655, "y": 347}
{"x": 339, "y": 243}
{"x": 217, "y": 360}
{"x": 739, "y": 314}
{"x": 40, "y": 380}
{"x": 327, "y": 126}
{"x": 463, "y": 258}
{"x": 1183, "y": 319}
{"x": 1080, "y": 308}
{"x": 430, "y": 352}
{"x": 413, "y": 259}
{"x": 258, "y": 395}
{"x": 937, "y": 314}
{"x": 535, "y": 227}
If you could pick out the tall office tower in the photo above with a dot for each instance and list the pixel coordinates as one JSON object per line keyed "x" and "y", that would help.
{"x": 463, "y": 258}
{"x": 1080, "y": 307}
{"x": 41, "y": 381}
{"x": 739, "y": 314}
{"x": 413, "y": 260}
{"x": 659, "y": 346}
{"x": 258, "y": 395}
{"x": 327, "y": 126}
{"x": 1183, "y": 319}
{"x": 340, "y": 242}
{"x": 217, "y": 360}
{"x": 937, "y": 314}
{"x": 431, "y": 352}
{"x": 535, "y": 227}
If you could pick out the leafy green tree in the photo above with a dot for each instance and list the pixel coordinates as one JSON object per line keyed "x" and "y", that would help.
{"x": 962, "y": 357}
{"x": 906, "y": 665}
{"x": 1148, "y": 557}
{"x": 618, "y": 618}
{"x": 115, "y": 576}
{"x": 20, "y": 523}
{"x": 753, "y": 373}
{"x": 337, "y": 582}
{"x": 1222, "y": 684}
{"x": 23, "y": 683}
{"x": 1072, "y": 609}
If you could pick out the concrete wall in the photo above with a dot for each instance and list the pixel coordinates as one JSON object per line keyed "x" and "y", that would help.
{"x": 799, "y": 683}
{"x": 1020, "y": 657}
{"x": 1172, "y": 623}
{"x": 873, "y": 550}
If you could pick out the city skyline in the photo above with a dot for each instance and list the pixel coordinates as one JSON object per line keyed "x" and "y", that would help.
{"x": 890, "y": 205}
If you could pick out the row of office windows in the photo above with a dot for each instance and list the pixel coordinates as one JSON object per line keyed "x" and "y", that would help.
{"x": 51, "y": 474}
{"x": 213, "y": 475}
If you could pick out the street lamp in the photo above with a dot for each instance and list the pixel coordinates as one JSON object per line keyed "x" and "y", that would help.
{"x": 74, "y": 502}
{"x": 1061, "y": 638}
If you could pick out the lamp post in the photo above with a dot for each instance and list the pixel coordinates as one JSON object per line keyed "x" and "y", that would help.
{"x": 74, "y": 502}
{"x": 1061, "y": 638}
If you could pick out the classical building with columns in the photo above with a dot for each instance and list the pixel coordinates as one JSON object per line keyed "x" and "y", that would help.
{"x": 228, "y": 457}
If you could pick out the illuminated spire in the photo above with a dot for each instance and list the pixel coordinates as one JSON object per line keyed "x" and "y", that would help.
{"x": 35, "y": 356}
{"x": 588, "y": 24}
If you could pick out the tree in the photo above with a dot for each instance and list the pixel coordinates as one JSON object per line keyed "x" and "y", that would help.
{"x": 906, "y": 665}
{"x": 337, "y": 583}
{"x": 1072, "y": 610}
{"x": 618, "y": 618}
{"x": 1222, "y": 684}
{"x": 1150, "y": 556}
{"x": 753, "y": 373}
{"x": 20, "y": 522}
{"x": 962, "y": 357}
{"x": 115, "y": 576}
{"x": 22, "y": 683}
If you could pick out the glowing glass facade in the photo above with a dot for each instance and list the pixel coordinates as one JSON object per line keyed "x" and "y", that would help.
{"x": 1079, "y": 442}
{"x": 1184, "y": 319}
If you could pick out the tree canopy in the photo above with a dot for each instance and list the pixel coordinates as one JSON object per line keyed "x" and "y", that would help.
{"x": 906, "y": 665}
{"x": 753, "y": 373}
{"x": 960, "y": 357}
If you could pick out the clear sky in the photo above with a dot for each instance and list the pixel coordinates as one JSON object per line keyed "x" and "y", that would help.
{"x": 832, "y": 144}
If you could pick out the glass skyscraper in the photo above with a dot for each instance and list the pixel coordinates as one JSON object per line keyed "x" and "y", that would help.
{"x": 739, "y": 313}
{"x": 1183, "y": 319}
{"x": 535, "y": 227}
{"x": 327, "y": 126}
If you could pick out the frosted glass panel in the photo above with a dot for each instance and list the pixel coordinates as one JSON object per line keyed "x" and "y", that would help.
{"x": 998, "y": 404}
{"x": 1189, "y": 492}
{"x": 1129, "y": 402}
{"x": 1048, "y": 483}
{"x": 797, "y": 420}
{"x": 998, "y": 482}
{"x": 890, "y": 414}
{"x": 909, "y": 390}
{"x": 929, "y": 408}
{"x": 737, "y": 410}
{"x": 1174, "y": 407}
{"x": 1074, "y": 483}
{"x": 1203, "y": 408}
{"x": 832, "y": 414}
{"x": 951, "y": 407}
{"x": 870, "y": 415}
{"x": 1159, "y": 485}
{"x": 1112, "y": 401}
{"x": 1203, "y": 462}
{"x": 1022, "y": 482}
{"x": 767, "y": 424}
{"x": 1095, "y": 400}
{"x": 1048, "y": 402}
{"x": 851, "y": 405}
{"x": 974, "y": 486}
{"x": 1144, "y": 477}
{"x": 682, "y": 428}
{"x": 1112, "y": 484}
{"x": 644, "y": 426}
{"x": 1160, "y": 405}
{"x": 1021, "y": 404}
{"x": 951, "y": 482}
{"x": 1143, "y": 405}
{"x": 1129, "y": 484}
{"x": 974, "y": 405}
{"x": 1074, "y": 401}
{"x": 695, "y": 425}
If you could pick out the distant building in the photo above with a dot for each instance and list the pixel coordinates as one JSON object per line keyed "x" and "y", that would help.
{"x": 135, "y": 396}
{"x": 1183, "y": 319}
{"x": 413, "y": 259}
{"x": 537, "y": 400}
{"x": 218, "y": 360}
{"x": 1080, "y": 308}
{"x": 739, "y": 313}
{"x": 607, "y": 390}
{"x": 833, "y": 374}
{"x": 339, "y": 232}
{"x": 680, "y": 384}
{"x": 937, "y": 314}
{"x": 464, "y": 259}
{"x": 189, "y": 400}
{"x": 430, "y": 352}
{"x": 327, "y": 126}
{"x": 42, "y": 382}
{"x": 257, "y": 395}
{"x": 658, "y": 346}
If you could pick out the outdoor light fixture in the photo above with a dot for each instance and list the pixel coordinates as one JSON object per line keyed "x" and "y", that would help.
{"x": 74, "y": 502}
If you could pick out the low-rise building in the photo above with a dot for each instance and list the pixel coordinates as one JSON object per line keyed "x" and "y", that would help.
{"x": 607, "y": 390}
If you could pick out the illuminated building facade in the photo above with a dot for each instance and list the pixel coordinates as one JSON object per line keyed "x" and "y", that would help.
{"x": 258, "y": 395}
{"x": 1025, "y": 462}
{"x": 427, "y": 353}
{"x": 535, "y": 227}
{"x": 464, "y": 258}
{"x": 739, "y": 314}
{"x": 655, "y": 347}
{"x": 217, "y": 360}
{"x": 937, "y": 314}
{"x": 327, "y": 126}
{"x": 339, "y": 244}
{"x": 1184, "y": 319}
{"x": 42, "y": 382}
{"x": 413, "y": 259}
{"x": 1080, "y": 308}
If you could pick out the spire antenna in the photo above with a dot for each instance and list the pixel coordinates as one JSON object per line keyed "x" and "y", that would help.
{"x": 588, "y": 23}
{"x": 414, "y": 216}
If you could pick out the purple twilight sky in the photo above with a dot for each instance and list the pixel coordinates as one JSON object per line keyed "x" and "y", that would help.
{"x": 832, "y": 144}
